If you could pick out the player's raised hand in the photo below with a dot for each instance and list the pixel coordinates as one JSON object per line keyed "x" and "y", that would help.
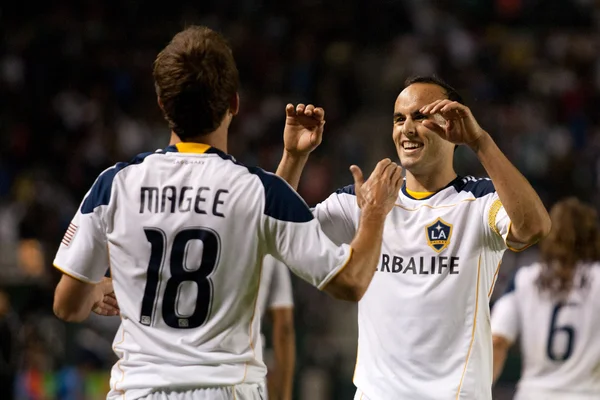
{"x": 303, "y": 128}
{"x": 460, "y": 125}
{"x": 107, "y": 302}
{"x": 380, "y": 192}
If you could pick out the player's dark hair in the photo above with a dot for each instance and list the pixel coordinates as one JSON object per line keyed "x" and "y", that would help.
{"x": 573, "y": 242}
{"x": 451, "y": 93}
{"x": 196, "y": 78}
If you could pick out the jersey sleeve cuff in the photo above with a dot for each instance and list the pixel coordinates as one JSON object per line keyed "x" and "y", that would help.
{"x": 73, "y": 274}
{"x": 336, "y": 271}
{"x": 515, "y": 246}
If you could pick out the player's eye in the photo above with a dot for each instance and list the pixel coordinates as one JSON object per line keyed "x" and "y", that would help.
{"x": 419, "y": 117}
{"x": 399, "y": 120}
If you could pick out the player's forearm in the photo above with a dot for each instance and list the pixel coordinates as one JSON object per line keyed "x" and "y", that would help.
{"x": 530, "y": 220}
{"x": 290, "y": 168}
{"x": 352, "y": 282}
{"x": 284, "y": 345}
{"x": 500, "y": 353}
{"x": 73, "y": 305}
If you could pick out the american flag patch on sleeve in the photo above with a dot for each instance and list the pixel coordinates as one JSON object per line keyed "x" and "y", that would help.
{"x": 69, "y": 234}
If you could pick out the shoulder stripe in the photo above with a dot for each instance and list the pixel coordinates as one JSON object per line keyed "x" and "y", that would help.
{"x": 281, "y": 201}
{"x": 494, "y": 209}
{"x": 99, "y": 194}
{"x": 478, "y": 187}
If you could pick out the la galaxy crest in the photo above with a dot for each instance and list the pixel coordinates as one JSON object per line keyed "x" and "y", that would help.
{"x": 438, "y": 234}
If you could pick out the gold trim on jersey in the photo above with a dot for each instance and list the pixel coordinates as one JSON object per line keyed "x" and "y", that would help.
{"x": 494, "y": 209}
{"x": 192, "y": 147}
{"x": 472, "y": 331}
{"x": 114, "y": 347}
{"x": 494, "y": 279}
{"x": 528, "y": 245}
{"x": 432, "y": 207}
{"x": 419, "y": 195}
{"x": 444, "y": 242}
{"x": 72, "y": 276}
{"x": 340, "y": 270}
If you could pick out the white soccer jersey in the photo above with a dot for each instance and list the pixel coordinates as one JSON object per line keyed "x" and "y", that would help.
{"x": 185, "y": 231}
{"x": 424, "y": 330}
{"x": 560, "y": 339}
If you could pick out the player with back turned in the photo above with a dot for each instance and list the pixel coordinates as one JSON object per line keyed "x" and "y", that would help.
{"x": 185, "y": 229}
{"x": 424, "y": 330}
{"x": 552, "y": 306}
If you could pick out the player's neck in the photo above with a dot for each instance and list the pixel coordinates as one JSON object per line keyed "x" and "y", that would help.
{"x": 429, "y": 182}
{"x": 216, "y": 139}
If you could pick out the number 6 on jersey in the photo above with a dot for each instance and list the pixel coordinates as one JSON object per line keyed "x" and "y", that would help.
{"x": 180, "y": 273}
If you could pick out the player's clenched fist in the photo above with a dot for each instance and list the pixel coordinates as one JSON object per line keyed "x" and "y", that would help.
{"x": 303, "y": 128}
{"x": 379, "y": 193}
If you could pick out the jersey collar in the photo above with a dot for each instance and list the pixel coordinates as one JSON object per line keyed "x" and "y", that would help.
{"x": 429, "y": 195}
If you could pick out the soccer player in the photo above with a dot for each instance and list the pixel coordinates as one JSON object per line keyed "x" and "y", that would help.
{"x": 275, "y": 302}
{"x": 185, "y": 229}
{"x": 553, "y": 306}
{"x": 424, "y": 330}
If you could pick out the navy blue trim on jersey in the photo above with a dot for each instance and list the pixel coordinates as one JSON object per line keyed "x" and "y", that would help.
{"x": 100, "y": 192}
{"x": 511, "y": 283}
{"x": 347, "y": 189}
{"x": 452, "y": 183}
{"x": 281, "y": 201}
{"x": 107, "y": 273}
{"x": 478, "y": 187}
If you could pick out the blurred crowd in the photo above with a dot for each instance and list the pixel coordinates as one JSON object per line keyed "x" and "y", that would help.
{"x": 76, "y": 95}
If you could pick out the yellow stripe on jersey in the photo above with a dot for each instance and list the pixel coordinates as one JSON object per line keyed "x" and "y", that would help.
{"x": 494, "y": 209}
{"x": 191, "y": 147}
{"x": 419, "y": 195}
{"x": 72, "y": 276}
{"x": 472, "y": 331}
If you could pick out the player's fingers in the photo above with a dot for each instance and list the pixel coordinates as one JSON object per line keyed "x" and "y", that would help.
{"x": 427, "y": 109}
{"x": 397, "y": 179}
{"x": 106, "y": 286}
{"x": 455, "y": 108}
{"x": 381, "y": 165}
{"x": 395, "y": 171}
{"x": 320, "y": 114}
{"x": 300, "y": 108}
{"x": 432, "y": 126}
{"x": 358, "y": 176}
{"x": 439, "y": 106}
{"x": 290, "y": 110}
{"x": 111, "y": 301}
{"x": 309, "y": 110}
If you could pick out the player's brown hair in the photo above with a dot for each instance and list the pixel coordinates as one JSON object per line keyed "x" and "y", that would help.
{"x": 573, "y": 240}
{"x": 196, "y": 78}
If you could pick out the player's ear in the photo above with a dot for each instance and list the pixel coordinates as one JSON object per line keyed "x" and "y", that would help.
{"x": 160, "y": 104}
{"x": 234, "y": 104}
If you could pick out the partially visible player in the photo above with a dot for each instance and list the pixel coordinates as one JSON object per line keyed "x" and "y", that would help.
{"x": 276, "y": 303}
{"x": 553, "y": 306}
{"x": 185, "y": 229}
{"x": 424, "y": 330}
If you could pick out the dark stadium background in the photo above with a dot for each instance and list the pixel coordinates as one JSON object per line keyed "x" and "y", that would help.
{"x": 76, "y": 96}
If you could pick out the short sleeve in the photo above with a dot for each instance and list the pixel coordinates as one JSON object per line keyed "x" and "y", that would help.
{"x": 505, "y": 315}
{"x": 292, "y": 235}
{"x": 498, "y": 222}
{"x": 280, "y": 288}
{"x": 83, "y": 252}
{"x": 339, "y": 215}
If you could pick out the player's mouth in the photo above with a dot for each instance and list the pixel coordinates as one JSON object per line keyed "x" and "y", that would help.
{"x": 411, "y": 147}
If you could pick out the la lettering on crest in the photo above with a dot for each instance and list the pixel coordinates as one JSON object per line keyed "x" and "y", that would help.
{"x": 438, "y": 234}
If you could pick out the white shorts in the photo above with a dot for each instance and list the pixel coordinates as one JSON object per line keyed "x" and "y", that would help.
{"x": 246, "y": 391}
